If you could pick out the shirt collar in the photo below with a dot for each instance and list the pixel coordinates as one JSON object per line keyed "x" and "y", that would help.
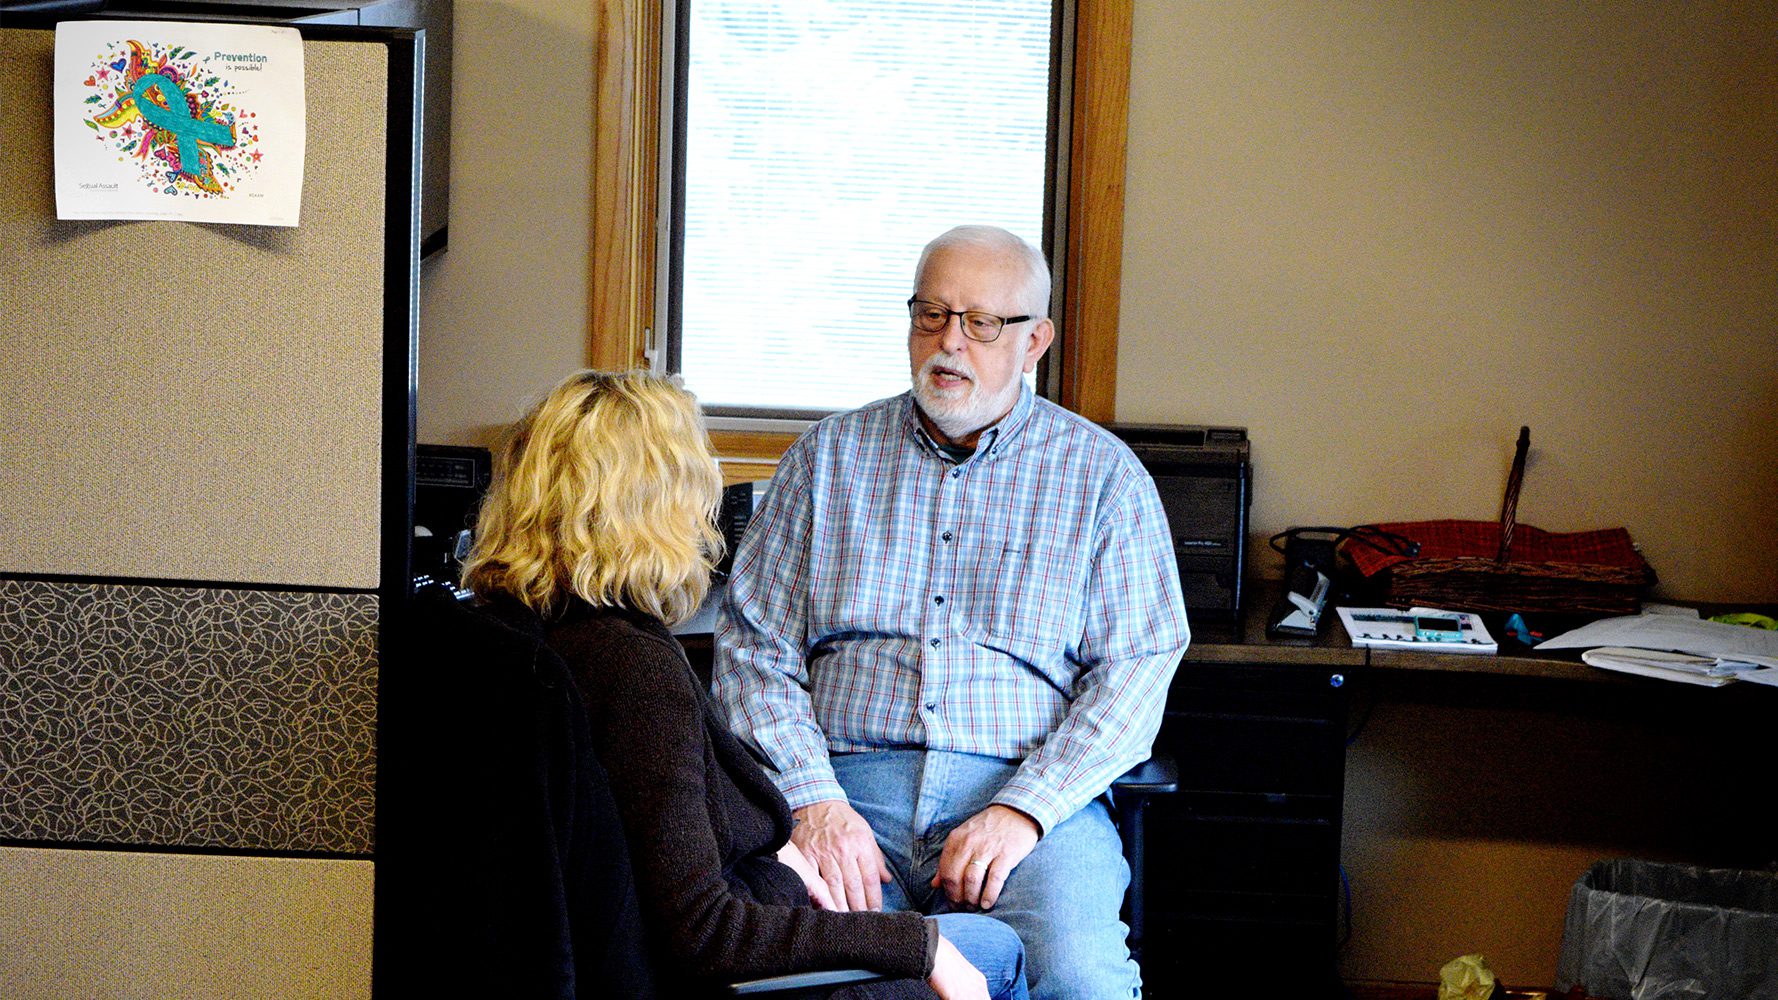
{"x": 994, "y": 440}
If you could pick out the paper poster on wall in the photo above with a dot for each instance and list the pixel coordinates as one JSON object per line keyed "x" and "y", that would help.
{"x": 182, "y": 121}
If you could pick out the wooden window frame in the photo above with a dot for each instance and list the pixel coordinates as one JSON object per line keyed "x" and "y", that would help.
{"x": 626, "y": 151}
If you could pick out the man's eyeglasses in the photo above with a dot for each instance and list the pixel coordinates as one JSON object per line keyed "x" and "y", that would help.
{"x": 930, "y": 317}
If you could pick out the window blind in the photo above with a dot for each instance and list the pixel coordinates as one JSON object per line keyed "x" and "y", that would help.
{"x": 825, "y": 144}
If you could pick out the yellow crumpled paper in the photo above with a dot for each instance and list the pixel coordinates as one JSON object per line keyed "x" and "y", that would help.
{"x": 1466, "y": 978}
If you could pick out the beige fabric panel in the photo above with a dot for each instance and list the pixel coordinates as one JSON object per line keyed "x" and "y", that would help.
{"x": 85, "y": 924}
{"x": 186, "y": 401}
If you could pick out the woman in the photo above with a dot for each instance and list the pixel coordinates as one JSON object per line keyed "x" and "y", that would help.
{"x": 600, "y": 522}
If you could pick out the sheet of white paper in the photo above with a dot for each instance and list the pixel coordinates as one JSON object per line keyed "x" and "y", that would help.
{"x": 181, "y": 121}
{"x": 1699, "y": 637}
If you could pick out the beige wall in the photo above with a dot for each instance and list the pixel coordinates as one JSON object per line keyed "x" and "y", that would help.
{"x": 1370, "y": 233}
{"x": 1377, "y": 234}
{"x": 1383, "y": 236}
{"x": 503, "y": 311}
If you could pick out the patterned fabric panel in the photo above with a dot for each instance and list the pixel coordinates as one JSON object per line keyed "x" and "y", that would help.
{"x": 183, "y": 716}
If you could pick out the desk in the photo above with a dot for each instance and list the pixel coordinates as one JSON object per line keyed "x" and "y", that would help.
{"x": 1473, "y": 793}
{"x": 1243, "y": 864}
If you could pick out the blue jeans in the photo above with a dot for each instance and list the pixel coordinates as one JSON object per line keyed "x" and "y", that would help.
{"x": 1064, "y": 899}
{"x": 992, "y": 948}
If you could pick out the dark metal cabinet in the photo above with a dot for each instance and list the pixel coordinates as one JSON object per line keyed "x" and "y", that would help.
{"x": 1242, "y": 866}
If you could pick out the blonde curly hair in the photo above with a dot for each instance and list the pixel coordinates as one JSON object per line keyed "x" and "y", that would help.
{"x": 605, "y": 490}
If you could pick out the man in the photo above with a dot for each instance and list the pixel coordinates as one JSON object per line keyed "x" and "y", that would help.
{"x": 952, "y": 623}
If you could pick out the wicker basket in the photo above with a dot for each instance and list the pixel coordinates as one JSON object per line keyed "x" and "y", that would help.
{"x": 1507, "y": 566}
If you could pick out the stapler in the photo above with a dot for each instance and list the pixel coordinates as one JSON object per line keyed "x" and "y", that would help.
{"x": 1308, "y": 573}
{"x": 1310, "y": 558}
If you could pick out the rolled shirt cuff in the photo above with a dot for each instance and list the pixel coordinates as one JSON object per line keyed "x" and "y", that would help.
{"x": 808, "y": 784}
{"x": 1046, "y": 811}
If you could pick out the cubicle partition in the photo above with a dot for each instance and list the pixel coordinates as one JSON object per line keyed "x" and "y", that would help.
{"x": 206, "y": 438}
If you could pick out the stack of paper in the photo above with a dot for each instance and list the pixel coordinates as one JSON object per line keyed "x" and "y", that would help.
{"x": 1675, "y": 648}
{"x": 1682, "y": 667}
{"x": 1392, "y": 628}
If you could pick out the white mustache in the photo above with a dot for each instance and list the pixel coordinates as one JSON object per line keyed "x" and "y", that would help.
{"x": 961, "y": 367}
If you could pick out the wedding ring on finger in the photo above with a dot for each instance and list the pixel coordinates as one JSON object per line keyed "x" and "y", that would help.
{"x": 977, "y": 864}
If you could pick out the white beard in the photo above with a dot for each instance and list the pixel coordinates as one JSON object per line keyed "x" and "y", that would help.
{"x": 965, "y": 409}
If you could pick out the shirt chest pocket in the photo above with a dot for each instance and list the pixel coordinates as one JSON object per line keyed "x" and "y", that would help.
{"x": 1026, "y": 598}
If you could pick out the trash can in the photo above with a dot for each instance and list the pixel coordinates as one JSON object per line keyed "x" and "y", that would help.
{"x": 1642, "y": 930}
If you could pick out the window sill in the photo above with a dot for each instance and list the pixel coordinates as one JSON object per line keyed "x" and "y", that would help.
{"x": 749, "y": 454}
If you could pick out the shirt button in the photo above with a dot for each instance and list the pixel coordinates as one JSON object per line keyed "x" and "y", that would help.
{"x": 946, "y": 536}
{"x": 932, "y": 706}
{"x": 939, "y": 599}
{"x": 956, "y": 472}
{"x": 935, "y": 644}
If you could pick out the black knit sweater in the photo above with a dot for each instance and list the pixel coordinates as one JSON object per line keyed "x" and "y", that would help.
{"x": 704, "y": 822}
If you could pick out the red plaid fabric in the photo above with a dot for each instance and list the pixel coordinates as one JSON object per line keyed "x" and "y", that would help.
{"x": 1481, "y": 540}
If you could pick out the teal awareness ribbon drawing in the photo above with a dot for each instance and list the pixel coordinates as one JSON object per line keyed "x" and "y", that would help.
{"x": 176, "y": 118}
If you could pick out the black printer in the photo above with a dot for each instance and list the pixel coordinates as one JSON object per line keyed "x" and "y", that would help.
{"x": 1206, "y": 485}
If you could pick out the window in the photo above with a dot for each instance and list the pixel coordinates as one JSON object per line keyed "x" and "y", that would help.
{"x": 628, "y": 260}
{"x": 822, "y": 144}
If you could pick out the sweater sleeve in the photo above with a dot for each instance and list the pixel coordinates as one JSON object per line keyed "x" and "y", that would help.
{"x": 648, "y": 732}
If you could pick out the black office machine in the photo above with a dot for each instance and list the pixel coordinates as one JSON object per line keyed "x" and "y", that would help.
{"x": 1205, "y": 480}
{"x": 449, "y": 483}
{"x": 739, "y": 500}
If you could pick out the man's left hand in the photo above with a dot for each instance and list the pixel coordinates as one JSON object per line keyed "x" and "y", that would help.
{"x": 981, "y": 852}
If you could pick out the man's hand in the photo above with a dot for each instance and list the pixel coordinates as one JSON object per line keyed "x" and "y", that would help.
{"x": 840, "y": 843}
{"x": 819, "y": 893}
{"x": 981, "y": 852}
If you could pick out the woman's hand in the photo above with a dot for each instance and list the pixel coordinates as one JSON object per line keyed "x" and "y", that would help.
{"x": 819, "y": 894}
{"x": 953, "y": 978}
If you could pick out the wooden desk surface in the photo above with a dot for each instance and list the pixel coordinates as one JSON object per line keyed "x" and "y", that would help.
{"x": 1221, "y": 642}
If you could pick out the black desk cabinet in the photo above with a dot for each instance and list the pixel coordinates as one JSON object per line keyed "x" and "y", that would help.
{"x": 1243, "y": 864}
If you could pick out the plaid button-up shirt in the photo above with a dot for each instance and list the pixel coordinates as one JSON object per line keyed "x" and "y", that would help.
{"x": 1023, "y": 604}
